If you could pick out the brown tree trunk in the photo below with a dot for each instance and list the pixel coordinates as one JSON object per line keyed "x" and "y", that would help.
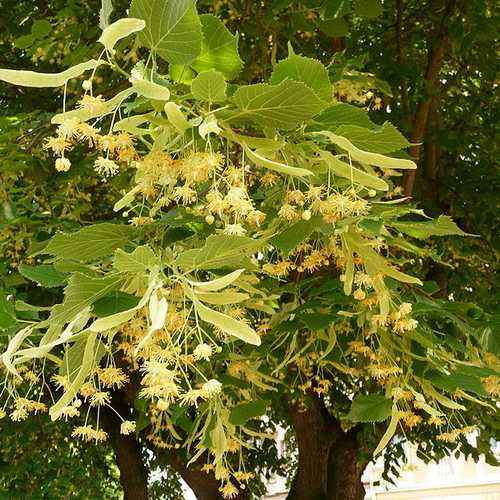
{"x": 133, "y": 473}
{"x": 328, "y": 467}
{"x": 405, "y": 100}
{"x": 345, "y": 469}
{"x": 314, "y": 439}
{"x": 204, "y": 486}
{"x": 434, "y": 64}
{"x": 432, "y": 153}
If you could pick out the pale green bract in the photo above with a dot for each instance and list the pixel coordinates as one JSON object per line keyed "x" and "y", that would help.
{"x": 42, "y": 80}
{"x": 118, "y": 30}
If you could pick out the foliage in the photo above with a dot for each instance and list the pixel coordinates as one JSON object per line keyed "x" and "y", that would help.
{"x": 264, "y": 253}
{"x": 70, "y": 469}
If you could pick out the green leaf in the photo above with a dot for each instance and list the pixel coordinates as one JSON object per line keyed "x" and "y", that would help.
{"x": 142, "y": 259}
{"x": 23, "y": 42}
{"x": 7, "y": 312}
{"x": 370, "y": 408}
{"x": 40, "y": 80}
{"x": 173, "y": 28}
{"x": 176, "y": 117}
{"x": 41, "y": 28}
{"x": 228, "y": 324}
{"x": 219, "y": 49}
{"x": 281, "y": 106}
{"x": 45, "y": 275}
{"x": 456, "y": 380}
{"x": 342, "y": 114}
{"x": 334, "y": 27}
{"x": 298, "y": 232}
{"x": 306, "y": 70}
{"x": 368, "y": 8}
{"x": 220, "y": 250}
{"x": 120, "y": 29}
{"x": 385, "y": 139}
{"x": 442, "y": 226}
{"x": 244, "y": 412}
{"x": 333, "y": 8}
{"x": 89, "y": 243}
{"x": 209, "y": 86}
{"x": 81, "y": 292}
{"x": 113, "y": 303}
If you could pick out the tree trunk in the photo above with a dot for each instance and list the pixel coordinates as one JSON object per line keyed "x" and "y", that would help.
{"x": 314, "y": 440}
{"x": 204, "y": 486}
{"x": 328, "y": 467}
{"x": 133, "y": 474}
{"x": 345, "y": 469}
{"x": 434, "y": 64}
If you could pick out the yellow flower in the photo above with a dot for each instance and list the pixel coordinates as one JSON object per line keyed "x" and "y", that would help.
{"x": 229, "y": 490}
{"x": 191, "y": 397}
{"x": 434, "y": 420}
{"x": 68, "y": 128}
{"x": 92, "y": 104}
{"x": 58, "y": 145}
{"x": 211, "y": 388}
{"x": 63, "y": 164}
{"x": 235, "y": 230}
{"x": 100, "y": 398}
{"x": 185, "y": 195}
{"x": 19, "y": 415}
{"x": 202, "y": 351}
{"x": 288, "y": 212}
{"x": 87, "y": 433}
{"x": 60, "y": 381}
{"x": 127, "y": 427}
{"x": 491, "y": 385}
{"x": 112, "y": 377}
{"x": 88, "y": 133}
{"x": 449, "y": 437}
{"x": 106, "y": 167}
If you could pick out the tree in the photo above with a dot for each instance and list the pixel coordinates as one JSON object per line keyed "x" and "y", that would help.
{"x": 259, "y": 269}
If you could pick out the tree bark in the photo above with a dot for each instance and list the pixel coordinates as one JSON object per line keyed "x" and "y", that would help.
{"x": 345, "y": 469}
{"x": 432, "y": 153}
{"x": 434, "y": 64}
{"x": 204, "y": 486}
{"x": 133, "y": 473}
{"x": 405, "y": 101}
{"x": 314, "y": 439}
{"x": 328, "y": 467}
